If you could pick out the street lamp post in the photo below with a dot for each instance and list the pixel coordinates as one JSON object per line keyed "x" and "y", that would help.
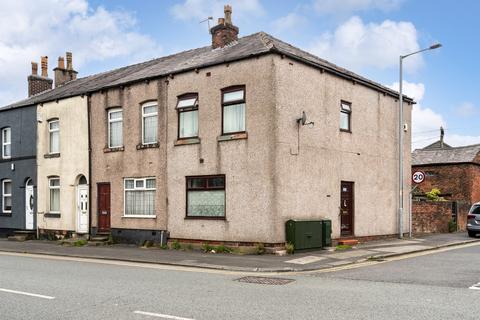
{"x": 400, "y": 139}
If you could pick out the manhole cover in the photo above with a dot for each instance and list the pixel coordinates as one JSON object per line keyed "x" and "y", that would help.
{"x": 264, "y": 280}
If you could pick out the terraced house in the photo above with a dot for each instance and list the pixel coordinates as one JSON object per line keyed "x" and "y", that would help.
{"x": 229, "y": 141}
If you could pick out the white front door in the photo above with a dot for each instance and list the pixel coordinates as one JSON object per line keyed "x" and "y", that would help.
{"x": 82, "y": 209}
{"x": 29, "y": 205}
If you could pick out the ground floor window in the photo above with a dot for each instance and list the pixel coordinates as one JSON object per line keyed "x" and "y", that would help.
{"x": 206, "y": 196}
{"x": 140, "y": 197}
{"x": 7, "y": 196}
{"x": 54, "y": 188}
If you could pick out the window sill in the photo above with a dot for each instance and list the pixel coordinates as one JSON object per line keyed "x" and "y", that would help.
{"x": 142, "y": 146}
{"x": 139, "y": 217}
{"x": 186, "y": 141}
{"x": 205, "y": 218}
{"x": 52, "y": 215}
{"x": 233, "y": 136}
{"x": 5, "y": 214}
{"x": 345, "y": 130}
{"x": 51, "y": 155}
{"x": 108, "y": 150}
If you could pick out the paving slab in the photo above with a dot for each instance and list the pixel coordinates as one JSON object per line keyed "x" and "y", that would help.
{"x": 305, "y": 260}
{"x": 351, "y": 254}
{"x": 402, "y": 249}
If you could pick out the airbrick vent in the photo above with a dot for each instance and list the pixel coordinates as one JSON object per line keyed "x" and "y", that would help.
{"x": 265, "y": 280}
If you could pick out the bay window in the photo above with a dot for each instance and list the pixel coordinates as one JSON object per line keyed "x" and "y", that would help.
{"x": 187, "y": 108}
{"x": 206, "y": 197}
{"x": 7, "y": 196}
{"x": 54, "y": 190}
{"x": 233, "y": 110}
{"x": 149, "y": 123}
{"x": 6, "y": 143}
{"x": 115, "y": 128}
{"x": 139, "y": 197}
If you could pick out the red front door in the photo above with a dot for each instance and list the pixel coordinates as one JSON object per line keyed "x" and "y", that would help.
{"x": 103, "y": 207}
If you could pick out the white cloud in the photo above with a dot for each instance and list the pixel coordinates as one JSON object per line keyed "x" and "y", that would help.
{"x": 30, "y": 29}
{"x": 197, "y": 10}
{"x": 357, "y": 45}
{"x": 349, "y": 6}
{"x": 291, "y": 22}
{"x": 467, "y": 109}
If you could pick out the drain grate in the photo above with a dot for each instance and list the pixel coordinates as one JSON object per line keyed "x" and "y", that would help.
{"x": 265, "y": 280}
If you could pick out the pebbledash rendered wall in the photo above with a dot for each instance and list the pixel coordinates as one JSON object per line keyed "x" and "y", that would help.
{"x": 71, "y": 163}
{"x": 267, "y": 183}
{"x": 20, "y": 167}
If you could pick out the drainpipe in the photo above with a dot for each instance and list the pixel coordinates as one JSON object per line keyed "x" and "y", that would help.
{"x": 89, "y": 167}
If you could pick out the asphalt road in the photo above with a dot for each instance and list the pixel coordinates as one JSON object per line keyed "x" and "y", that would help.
{"x": 434, "y": 286}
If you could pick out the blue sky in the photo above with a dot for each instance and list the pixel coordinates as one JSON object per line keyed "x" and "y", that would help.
{"x": 365, "y": 36}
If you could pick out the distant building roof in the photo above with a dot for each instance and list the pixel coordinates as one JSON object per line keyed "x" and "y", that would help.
{"x": 253, "y": 45}
{"x": 435, "y": 154}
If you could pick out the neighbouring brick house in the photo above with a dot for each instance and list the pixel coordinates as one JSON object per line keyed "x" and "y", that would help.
{"x": 455, "y": 171}
{"x": 229, "y": 141}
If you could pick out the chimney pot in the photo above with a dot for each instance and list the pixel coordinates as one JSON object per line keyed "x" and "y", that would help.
{"x": 44, "y": 62}
{"x": 61, "y": 63}
{"x": 34, "y": 68}
{"x": 69, "y": 61}
{"x": 227, "y": 9}
{"x": 224, "y": 32}
{"x": 221, "y": 21}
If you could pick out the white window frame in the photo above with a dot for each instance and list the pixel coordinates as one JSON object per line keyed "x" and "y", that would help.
{"x": 135, "y": 188}
{"x": 50, "y": 188}
{"x": 148, "y": 115}
{"x": 6, "y": 195}
{"x": 4, "y": 143}
{"x": 185, "y": 104}
{"x": 110, "y": 121}
{"x": 50, "y": 131}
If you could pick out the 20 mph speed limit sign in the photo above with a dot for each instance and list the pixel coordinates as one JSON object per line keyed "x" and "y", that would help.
{"x": 418, "y": 177}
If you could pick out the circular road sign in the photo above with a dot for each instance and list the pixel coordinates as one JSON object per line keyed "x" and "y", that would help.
{"x": 418, "y": 177}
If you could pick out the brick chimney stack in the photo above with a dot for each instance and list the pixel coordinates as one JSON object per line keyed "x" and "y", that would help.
{"x": 224, "y": 32}
{"x": 36, "y": 83}
{"x": 62, "y": 74}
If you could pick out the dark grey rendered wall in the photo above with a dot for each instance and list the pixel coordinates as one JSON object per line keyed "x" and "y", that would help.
{"x": 23, "y": 124}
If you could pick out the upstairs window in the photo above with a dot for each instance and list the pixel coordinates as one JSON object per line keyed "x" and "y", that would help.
{"x": 233, "y": 110}
{"x": 115, "y": 128}
{"x": 345, "y": 116}
{"x": 150, "y": 123}
{"x": 140, "y": 197}
{"x": 54, "y": 190}
{"x": 7, "y": 196}
{"x": 206, "y": 197}
{"x": 6, "y": 143}
{"x": 54, "y": 136}
{"x": 187, "y": 108}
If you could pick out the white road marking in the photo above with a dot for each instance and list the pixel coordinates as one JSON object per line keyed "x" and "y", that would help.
{"x": 475, "y": 286}
{"x": 27, "y": 294}
{"x": 159, "y": 315}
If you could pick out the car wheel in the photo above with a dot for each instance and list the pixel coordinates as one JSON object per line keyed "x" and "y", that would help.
{"x": 472, "y": 234}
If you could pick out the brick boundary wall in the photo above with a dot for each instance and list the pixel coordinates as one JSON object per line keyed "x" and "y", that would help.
{"x": 433, "y": 216}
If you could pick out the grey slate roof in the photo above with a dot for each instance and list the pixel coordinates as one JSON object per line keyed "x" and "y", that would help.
{"x": 246, "y": 47}
{"x": 448, "y": 155}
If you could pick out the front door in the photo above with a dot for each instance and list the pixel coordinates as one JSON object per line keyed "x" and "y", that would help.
{"x": 346, "y": 208}
{"x": 29, "y": 206}
{"x": 104, "y": 207}
{"x": 82, "y": 209}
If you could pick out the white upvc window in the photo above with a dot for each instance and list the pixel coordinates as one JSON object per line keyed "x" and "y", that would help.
{"x": 187, "y": 108}
{"x": 115, "y": 128}
{"x": 139, "y": 200}
{"x": 54, "y": 189}
{"x": 54, "y": 136}
{"x": 233, "y": 110}
{"x": 6, "y": 143}
{"x": 149, "y": 123}
{"x": 7, "y": 196}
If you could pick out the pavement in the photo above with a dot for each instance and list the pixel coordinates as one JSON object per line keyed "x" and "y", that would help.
{"x": 437, "y": 285}
{"x": 300, "y": 261}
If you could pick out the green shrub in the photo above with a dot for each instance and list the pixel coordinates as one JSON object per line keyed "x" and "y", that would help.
{"x": 434, "y": 195}
{"x": 222, "y": 249}
{"x": 176, "y": 245}
{"x": 163, "y": 246}
{"x": 343, "y": 247}
{"x": 290, "y": 248}
{"x": 80, "y": 243}
{"x": 452, "y": 226}
{"x": 260, "y": 248}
